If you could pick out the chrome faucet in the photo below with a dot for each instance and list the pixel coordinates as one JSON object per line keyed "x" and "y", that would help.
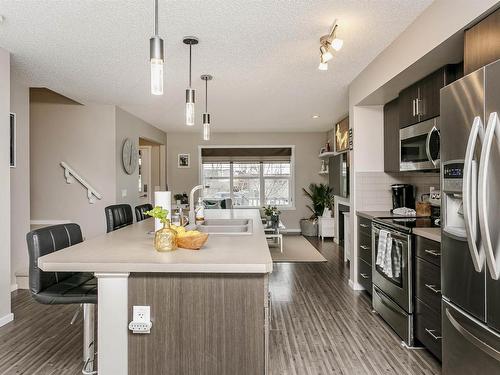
{"x": 192, "y": 216}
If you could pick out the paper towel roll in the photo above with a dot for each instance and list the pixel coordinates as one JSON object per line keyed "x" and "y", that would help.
{"x": 164, "y": 200}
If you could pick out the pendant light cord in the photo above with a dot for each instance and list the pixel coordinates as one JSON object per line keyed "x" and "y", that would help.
{"x": 156, "y": 18}
{"x": 190, "y": 45}
{"x": 206, "y": 96}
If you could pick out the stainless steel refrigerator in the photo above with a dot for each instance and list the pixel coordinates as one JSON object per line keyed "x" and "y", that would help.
{"x": 470, "y": 244}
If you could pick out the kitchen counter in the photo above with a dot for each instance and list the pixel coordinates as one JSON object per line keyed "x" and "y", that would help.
{"x": 130, "y": 249}
{"x": 373, "y": 214}
{"x": 433, "y": 234}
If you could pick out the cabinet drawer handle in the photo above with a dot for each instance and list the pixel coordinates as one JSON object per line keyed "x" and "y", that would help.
{"x": 431, "y": 333}
{"x": 364, "y": 275}
{"x": 364, "y": 247}
{"x": 433, "y": 288}
{"x": 364, "y": 225}
{"x": 433, "y": 252}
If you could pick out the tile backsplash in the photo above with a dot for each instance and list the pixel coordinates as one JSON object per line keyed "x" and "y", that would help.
{"x": 373, "y": 189}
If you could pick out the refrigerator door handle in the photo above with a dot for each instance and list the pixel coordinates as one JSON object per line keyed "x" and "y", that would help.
{"x": 493, "y": 125}
{"x": 469, "y": 195}
{"x": 481, "y": 345}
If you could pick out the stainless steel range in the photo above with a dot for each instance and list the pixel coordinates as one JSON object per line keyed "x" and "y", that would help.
{"x": 393, "y": 287}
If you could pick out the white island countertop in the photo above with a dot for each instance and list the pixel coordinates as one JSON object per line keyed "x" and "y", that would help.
{"x": 131, "y": 249}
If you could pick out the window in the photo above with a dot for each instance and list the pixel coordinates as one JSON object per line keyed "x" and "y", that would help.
{"x": 249, "y": 184}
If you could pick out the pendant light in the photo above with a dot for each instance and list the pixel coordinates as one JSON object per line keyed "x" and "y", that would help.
{"x": 190, "y": 93}
{"x": 156, "y": 57}
{"x": 206, "y": 115}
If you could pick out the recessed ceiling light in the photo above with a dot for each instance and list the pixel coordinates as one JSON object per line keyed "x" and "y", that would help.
{"x": 315, "y": 116}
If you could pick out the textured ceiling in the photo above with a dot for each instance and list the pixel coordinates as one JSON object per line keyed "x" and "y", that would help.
{"x": 263, "y": 55}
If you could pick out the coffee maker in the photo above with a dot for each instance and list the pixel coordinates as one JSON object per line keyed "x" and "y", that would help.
{"x": 403, "y": 195}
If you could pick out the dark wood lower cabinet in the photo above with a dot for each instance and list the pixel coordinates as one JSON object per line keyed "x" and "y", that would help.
{"x": 365, "y": 253}
{"x": 212, "y": 324}
{"x": 428, "y": 294}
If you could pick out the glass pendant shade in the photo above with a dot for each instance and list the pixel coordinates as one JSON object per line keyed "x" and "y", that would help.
{"x": 157, "y": 76}
{"x": 326, "y": 55}
{"x": 190, "y": 114}
{"x": 206, "y": 126}
{"x": 323, "y": 66}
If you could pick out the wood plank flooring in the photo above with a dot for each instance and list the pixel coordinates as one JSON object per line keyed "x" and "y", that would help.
{"x": 319, "y": 327}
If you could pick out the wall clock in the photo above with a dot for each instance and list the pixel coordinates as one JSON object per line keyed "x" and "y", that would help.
{"x": 130, "y": 156}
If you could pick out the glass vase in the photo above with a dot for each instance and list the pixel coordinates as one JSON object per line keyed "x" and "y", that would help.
{"x": 165, "y": 238}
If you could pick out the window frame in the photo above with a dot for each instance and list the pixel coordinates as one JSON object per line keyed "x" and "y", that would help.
{"x": 261, "y": 176}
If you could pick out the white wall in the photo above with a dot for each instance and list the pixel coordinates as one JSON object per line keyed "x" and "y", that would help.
{"x": 307, "y": 164}
{"x": 129, "y": 126}
{"x": 20, "y": 181}
{"x": 83, "y": 137}
{"x": 5, "y": 308}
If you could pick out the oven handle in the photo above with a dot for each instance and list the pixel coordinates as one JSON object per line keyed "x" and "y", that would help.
{"x": 428, "y": 147}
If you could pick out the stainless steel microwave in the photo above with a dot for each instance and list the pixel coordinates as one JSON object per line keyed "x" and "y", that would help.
{"x": 419, "y": 147}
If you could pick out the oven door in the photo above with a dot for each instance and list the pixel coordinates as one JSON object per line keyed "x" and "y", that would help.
{"x": 420, "y": 146}
{"x": 399, "y": 286}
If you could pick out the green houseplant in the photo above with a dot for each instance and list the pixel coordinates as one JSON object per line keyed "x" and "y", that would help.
{"x": 321, "y": 197}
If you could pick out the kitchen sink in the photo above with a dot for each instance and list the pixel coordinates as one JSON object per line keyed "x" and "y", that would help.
{"x": 226, "y": 226}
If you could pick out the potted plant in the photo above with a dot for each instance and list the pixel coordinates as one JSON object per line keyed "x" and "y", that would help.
{"x": 272, "y": 215}
{"x": 321, "y": 197}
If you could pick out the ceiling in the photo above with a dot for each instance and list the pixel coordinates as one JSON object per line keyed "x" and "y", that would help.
{"x": 263, "y": 55}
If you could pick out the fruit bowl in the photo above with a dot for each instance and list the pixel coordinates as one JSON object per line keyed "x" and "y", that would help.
{"x": 192, "y": 242}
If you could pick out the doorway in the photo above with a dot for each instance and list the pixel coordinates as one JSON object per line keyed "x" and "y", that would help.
{"x": 151, "y": 170}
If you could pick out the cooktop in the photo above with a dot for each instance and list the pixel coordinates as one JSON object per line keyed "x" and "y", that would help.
{"x": 407, "y": 224}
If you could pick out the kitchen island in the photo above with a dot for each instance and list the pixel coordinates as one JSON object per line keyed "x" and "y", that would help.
{"x": 209, "y": 307}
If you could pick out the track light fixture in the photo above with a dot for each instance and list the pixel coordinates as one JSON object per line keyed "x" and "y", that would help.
{"x": 206, "y": 115}
{"x": 190, "y": 93}
{"x": 156, "y": 57}
{"x": 328, "y": 42}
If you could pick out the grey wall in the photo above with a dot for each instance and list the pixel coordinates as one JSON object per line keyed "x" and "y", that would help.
{"x": 129, "y": 126}
{"x": 20, "y": 181}
{"x": 307, "y": 164}
{"x": 83, "y": 137}
{"x": 5, "y": 310}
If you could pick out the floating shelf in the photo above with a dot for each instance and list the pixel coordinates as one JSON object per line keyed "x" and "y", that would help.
{"x": 326, "y": 155}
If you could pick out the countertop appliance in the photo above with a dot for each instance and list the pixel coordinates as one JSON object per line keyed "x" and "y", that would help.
{"x": 393, "y": 296}
{"x": 419, "y": 147}
{"x": 470, "y": 241}
{"x": 403, "y": 195}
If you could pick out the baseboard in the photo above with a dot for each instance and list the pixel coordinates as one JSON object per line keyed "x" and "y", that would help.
{"x": 290, "y": 231}
{"x": 13, "y": 287}
{"x": 22, "y": 281}
{"x": 6, "y": 319}
{"x": 49, "y": 222}
{"x": 355, "y": 286}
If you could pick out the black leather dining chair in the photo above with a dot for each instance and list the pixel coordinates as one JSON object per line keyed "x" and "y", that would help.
{"x": 63, "y": 288}
{"x": 140, "y": 211}
{"x": 118, "y": 216}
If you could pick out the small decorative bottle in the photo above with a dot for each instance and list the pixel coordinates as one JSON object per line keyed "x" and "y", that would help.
{"x": 165, "y": 238}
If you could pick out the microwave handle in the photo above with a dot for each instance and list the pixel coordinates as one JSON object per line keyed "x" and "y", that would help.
{"x": 428, "y": 147}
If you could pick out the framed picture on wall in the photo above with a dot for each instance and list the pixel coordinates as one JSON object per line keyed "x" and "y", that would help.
{"x": 342, "y": 136}
{"x": 12, "y": 140}
{"x": 183, "y": 160}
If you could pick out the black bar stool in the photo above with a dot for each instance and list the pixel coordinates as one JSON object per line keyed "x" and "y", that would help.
{"x": 118, "y": 216}
{"x": 53, "y": 288}
{"x": 140, "y": 211}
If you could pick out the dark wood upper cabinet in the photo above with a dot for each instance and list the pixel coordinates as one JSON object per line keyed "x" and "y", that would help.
{"x": 391, "y": 136}
{"x": 482, "y": 43}
{"x": 420, "y": 101}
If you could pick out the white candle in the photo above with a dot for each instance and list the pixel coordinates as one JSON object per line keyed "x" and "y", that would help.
{"x": 164, "y": 200}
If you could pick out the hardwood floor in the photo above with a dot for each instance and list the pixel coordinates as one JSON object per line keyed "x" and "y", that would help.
{"x": 319, "y": 326}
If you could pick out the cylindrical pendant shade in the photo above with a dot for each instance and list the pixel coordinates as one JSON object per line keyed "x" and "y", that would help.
{"x": 164, "y": 200}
